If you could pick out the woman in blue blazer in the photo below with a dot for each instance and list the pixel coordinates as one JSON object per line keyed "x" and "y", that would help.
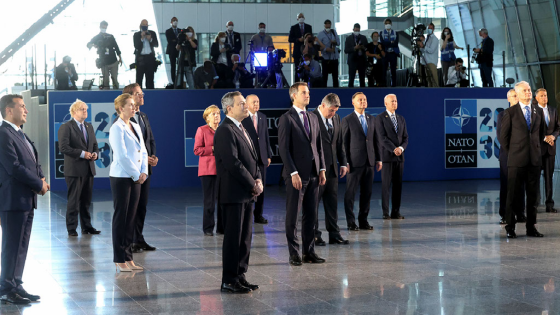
{"x": 129, "y": 170}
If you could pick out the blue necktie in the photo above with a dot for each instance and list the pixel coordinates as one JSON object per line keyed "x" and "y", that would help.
{"x": 27, "y": 143}
{"x": 546, "y": 118}
{"x": 528, "y": 117}
{"x": 394, "y": 119}
{"x": 364, "y": 124}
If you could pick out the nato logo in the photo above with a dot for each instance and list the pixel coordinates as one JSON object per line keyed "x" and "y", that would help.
{"x": 460, "y": 116}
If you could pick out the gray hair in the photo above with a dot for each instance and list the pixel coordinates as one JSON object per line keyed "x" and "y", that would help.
{"x": 540, "y": 90}
{"x": 233, "y": 55}
{"x": 520, "y": 83}
{"x": 484, "y": 31}
{"x": 76, "y": 105}
{"x": 227, "y": 100}
{"x": 385, "y": 98}
{"x": 511, "y": 91}
{"x": 331, "y": 100}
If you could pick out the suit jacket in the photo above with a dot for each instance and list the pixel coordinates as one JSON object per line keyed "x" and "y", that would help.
{"x": 20, "y": 172}
{"x": 130, "y": 158}
{"x": 503, "y": 151}
{"x": 333, "y": 147}
{"x": 353, "y": 57}
{"x": 295, "y": 35}
{"x": 259, "y": 137}
{"x": 71, "y": 143}
{"x": 389, "y": 140}
{"x": 299, "y": 152}
{"x": 236, "y": 164}
{"x": 203, "y": 143}
{"x": 360, "y": 149}
{"x": 62, "y": 76}
{"x": 138, "y": 44}
{"x": 236, "y": 44}
{"x": 215, "y": 53}
{"x": 261, "y": 45}
{"x": 523, "y": 146}
{"x": 552, "y": 129}
{"x": 171, "y": 41}
{"x": 487, "y": 54}
{"x": 149, "y": 140}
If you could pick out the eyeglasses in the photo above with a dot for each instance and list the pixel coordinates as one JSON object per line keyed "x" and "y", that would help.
{"x": 139, "y": 94}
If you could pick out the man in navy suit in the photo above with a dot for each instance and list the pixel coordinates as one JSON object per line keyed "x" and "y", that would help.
{"x": 301, "y": 149}
{"x": 21, "y": 179}
{"x": 297, "y": 36}
{"x": 256, "y": 125}
{"x": 172, "y": 35}
{"x": 393, "y": 140}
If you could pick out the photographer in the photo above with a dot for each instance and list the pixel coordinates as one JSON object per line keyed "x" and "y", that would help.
{"x": 429, "y": 50}
{"x": 457, "y": 74}
{"x": 172, "y": 35}
{"x": 375, "y": 53}
{"x": 108, "y": 50}
{"x": 355, "y": 47}
{"x": 485, "y": 58}
{"x": 448, "y": 47}
{"x": 310, "y": 46}
{"x": 205, "y": 77}
{"x": 390, "y": 41}
{"x": 310, "y": 71}
{"x": 66, "y": 75}
{"x": 329, "y": 42}
{"x": 145, "y": 42}
{"x": 221, "y": 56}
{"x": 241, "y": 77}
{"x": 187, "y": 46}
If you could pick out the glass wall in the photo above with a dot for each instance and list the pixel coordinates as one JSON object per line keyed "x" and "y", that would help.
{"x": 252, "y": 1}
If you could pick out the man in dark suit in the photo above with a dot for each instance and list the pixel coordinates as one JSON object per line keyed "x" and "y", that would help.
{"x": 21, "y": 179}
{"x": 139, "y": 243}
{"x": 355, "y": 47}
{"x": 76, "y": 140}
{"x": 256, "y": 125}
{"x": 522, "y": 132}
{"x": 548, "y": 146}
{"x": 172, "y": 35}
{"x": 233, "y": 38}
{"x": 361, "y": 144}
{"x": 297, "y": 36}
{"x": 393, "y": 140}
{"x": 301, "y": 150}
{"x": 239, "y": 182}
{"x": 145, "y": 43}
{"x": 333, "y": 152}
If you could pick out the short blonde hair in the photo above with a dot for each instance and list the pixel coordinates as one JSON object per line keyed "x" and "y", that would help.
{"x": 209, "y": 110}
{"x": 76, "y": 106}
{"x": 120, "y": 101}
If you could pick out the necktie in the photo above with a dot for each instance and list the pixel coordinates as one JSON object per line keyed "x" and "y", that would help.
{"x": 357, "y": 43}
{"x": 302, "y": 29}
{"x": 329, "y": 128}
{"x": 305, "y": 122}
{"x": 246, "y": 136}
{"x": 255, "y": 122}
{"x": 546, "y": 117}
{"x": 394, "y": 119}
{"x": 528, "y": 117}
{"x": 83, "y": 132}
{"x": 27, "y": 143}
{"x": 364, "y": 124}
{"x": 142, "y": 125}
{"x": 176, "y": 33}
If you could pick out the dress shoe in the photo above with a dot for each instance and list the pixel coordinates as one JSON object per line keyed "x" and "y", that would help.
{"x": 366, "y": 226}
{"x": 313, "y": 259}
{"x": 319, "y": 241}
{"x": 510, "y": 233}
{"x": 13, "y": 298}
{"x": 146, "y": 246}
{"x": 133, "y": 266}
{"x": 261, "y": 220}
{"x": 397, "y": 216}
{"x": 295, "y": 260}
{"x": 502, "y": 220}
{"x": 72, "y": 233}
{"x": 386, "y": 217}
{"x": 246, "y": 284}
{"x": 338, "y": 240}
{"x": 136, "y": 248}
{"x": 21, "y": 292}
{"x": 208, "y": 233}
{"x": 353, "y": 227}
{"x": 220, "y": 232}
{"x": 91, "y": 231}
{"x": 123, "y": 268}
{"x": 551, "y": 210}
{"x": 533, "y": 232}
{"x": 234, "y": 288}
{"x": 521, "y": 219}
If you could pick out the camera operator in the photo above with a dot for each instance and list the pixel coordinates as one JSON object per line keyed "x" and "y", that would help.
{"x": 221, "y": 56}
{"x": 310, "y": 71}
{"x": 375, "y": 53}
{"x": 66, "y": 75}
{"x": 447, "y": 46}
{"x": 429, "y": 49}
{"x": 390, "y": 41}
{"x": 457, "y": 74}
{"x": 108, "y": 50}
{"x": 145, "y": 42}
{"x": 233, "y": 38}
{"x": 187, "y": 46}
{"x": 261, "y": 40}
{"x": 485, "y": 58}
{"x": 241, "y": 77}
{"x": 205, "y": 77}
{"x": 172, "y": 35}
{"x": 355, "y": 47}
{"x": 329, "y": 42}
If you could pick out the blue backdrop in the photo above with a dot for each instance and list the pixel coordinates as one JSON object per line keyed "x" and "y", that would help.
{"x": 451, "y": 131}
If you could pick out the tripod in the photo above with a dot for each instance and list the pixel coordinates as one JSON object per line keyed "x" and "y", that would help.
{"x": 414, "y": 78}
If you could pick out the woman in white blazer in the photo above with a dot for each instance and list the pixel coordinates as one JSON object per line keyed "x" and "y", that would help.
{"x": 129, "y": 170}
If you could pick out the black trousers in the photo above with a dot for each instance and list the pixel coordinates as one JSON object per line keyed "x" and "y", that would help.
{"x": 330, "y": 66}
{"x": 376, "y": 78}
{"x": 390, "y": 61}
{"x": 79, "y": 200}
{"x": 173, "y": 61}
{"x": 519, "y": 203}
{"x": 548, "y": 172}
{"x": 145, "y": 66}
{"x": 16, "y": 232}
{"x": 126, "y": 195}
{"x": 138, "y": 236}
{"x": 210, "y": 196}
{"x": 486, "y": 75}
{"x": 259, "y": 204}
{"x": 297, "y": 60}
{"x": 329, "y": 194}
{"x": 305, "y": 199}
{"x": 363, "y": 177}
{"x": 237, "y": 240}
{"x": 361, "y": 67}
{"x": 516, "y": 177}
{"x": 391, "y": 175}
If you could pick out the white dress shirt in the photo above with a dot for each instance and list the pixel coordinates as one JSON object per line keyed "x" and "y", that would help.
{"x": 546, "y": 114}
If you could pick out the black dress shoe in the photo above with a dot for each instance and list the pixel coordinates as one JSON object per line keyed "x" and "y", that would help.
{"x": 13, "y": 298}
{"x": 295, "y": 260}
{"x": 502, "y": 220}
{"x": 521, "y": 219}
{"x": 510, "y": 233}
{"x": 353, "y": 227}
{"x": 319, "y": 241}
{"x": 208, "y": 233}
{"x": 386, "y": 217}
{"x": 533, "y": 232}
{"x": 91, "y": 231}
{"x": 146, "y": 246}
{"x": 234, "y": 288}
{"x": 220, "y": 232}
{"x": 551, "y": 210}
{"x": 338, "y": 240}
{"x": 72, "y": 233}
{"x": 366, "y": 226}
{"x": 21, "y": 292}
{"x": 246, "y": 284}
{"x": 136, "y": 248}
{"x": 261, "y": 220}
{"x": 397, "y": 216}
{"x": 313, "y": 259}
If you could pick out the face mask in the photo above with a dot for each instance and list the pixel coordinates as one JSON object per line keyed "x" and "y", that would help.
{"x": 301, "y": 20}
{"x": 230, "y": 28}
{"x": 307, "y": 62}
{"x": 430, "y": 31}
{"x": 223, "y": 39}
{"x": 445, "y": 33}
{"x": 387, "y": 26}
{"x": 262, "y": 30}
{"x": 174, "y": 23}
{"x": 375, "y": 38}
{"x": 189, "y": 34}
{"x": 103, "y": 30}
{"x": 356, "y": 33}
{"x": 144, "y": 28}
{"x": 327, "y": 29}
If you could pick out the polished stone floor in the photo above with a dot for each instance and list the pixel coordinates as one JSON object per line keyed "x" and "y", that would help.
{"x": 449, "y": 256}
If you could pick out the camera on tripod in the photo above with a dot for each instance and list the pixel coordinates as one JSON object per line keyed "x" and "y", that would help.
{"x": 417, "y": 31}
{"x": 182, "y": 36}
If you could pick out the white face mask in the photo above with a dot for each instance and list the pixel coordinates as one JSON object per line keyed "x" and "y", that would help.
{"x": 307, "y": 62}
{"x": 223, "y": 40}
{"x": 356, "y": 33}
{"x": 174, "y": 23}
{"x": 230, "y": 28}
{"x": 262, "y": 30}
{"x": 387, "y": 26}
{"x": 430, "y": 31}
{"x": 301, "y": 20}
{"x": 445, "y": 33}
{"x": 189, "y": 34}
{"x": 327, "y": 29}
{"x": 103, "y": 30}
{"x": 375, "y": 39}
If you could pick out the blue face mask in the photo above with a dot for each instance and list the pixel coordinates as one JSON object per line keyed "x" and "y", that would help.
{"x": 430, "y": 31}
{"x": 144, "y": 28}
